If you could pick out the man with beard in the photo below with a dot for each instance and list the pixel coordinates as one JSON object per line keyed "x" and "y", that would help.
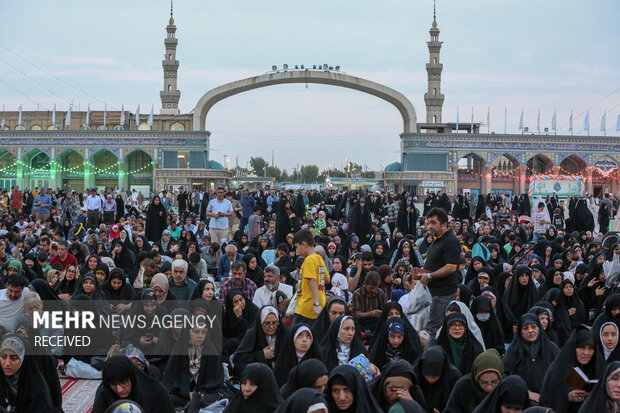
{"x": 267, "y": 293}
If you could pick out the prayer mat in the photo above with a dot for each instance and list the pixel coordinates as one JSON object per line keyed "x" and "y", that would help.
{"x": 78, "y": 395}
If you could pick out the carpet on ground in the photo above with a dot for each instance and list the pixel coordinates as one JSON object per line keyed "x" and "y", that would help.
{"x": 78, "y": 395}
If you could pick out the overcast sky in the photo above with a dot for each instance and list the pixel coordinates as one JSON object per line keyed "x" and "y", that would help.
{"x": 556, "y": 54}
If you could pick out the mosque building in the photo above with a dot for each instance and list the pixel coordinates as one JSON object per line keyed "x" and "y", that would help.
{"x": 86, "y": 149}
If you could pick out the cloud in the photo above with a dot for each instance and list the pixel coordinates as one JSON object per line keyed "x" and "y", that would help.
{"x": 590, "y": 69}
{"x": 85, "y": 61}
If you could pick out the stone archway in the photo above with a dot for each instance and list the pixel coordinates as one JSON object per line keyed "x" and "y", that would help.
{"x": 400, "y": 101}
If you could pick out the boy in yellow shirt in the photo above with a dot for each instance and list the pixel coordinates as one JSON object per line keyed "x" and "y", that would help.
{"x": 312, "y": 279}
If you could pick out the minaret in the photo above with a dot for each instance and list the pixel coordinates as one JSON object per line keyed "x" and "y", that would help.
{"x": 170, "y": 95}
{"x": 433, "y": 98}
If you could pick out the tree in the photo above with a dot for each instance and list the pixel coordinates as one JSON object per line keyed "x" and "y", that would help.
{"x": 258, "y": 165}
{"x": 274, "y": 172}
{"x": 284, "y": 176}
{"x": 309, "y": 173}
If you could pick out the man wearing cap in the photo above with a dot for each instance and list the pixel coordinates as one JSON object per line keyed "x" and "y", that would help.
{"x": 93, "y": 209}
{"x": 484, "y": 277}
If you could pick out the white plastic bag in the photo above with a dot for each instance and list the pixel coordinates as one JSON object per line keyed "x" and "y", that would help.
{"x": 217, "y": 407}
{"x": 80, "y": 370}
{"x": 292, "y": 306}
{"x": 420, "y": 320}
{"x": 419, "y": 299}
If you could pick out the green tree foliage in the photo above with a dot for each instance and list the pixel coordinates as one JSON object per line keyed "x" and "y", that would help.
{"x": 258, "y": 165}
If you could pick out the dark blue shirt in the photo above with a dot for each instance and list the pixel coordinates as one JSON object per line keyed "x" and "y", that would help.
{"x": 248, "y": 203}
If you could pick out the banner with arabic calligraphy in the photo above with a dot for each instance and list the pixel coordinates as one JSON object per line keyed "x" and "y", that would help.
{"x": 605, "y": 167}
{"x": 562, "y": 185}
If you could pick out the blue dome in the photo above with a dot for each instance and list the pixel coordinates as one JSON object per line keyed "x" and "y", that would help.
{"x": 393, "y": 167}
{"x": 214, "y": 165}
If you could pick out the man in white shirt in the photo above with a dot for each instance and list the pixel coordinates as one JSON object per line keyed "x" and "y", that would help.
{"x": 94, "y": 208}
{"x": 540, "y": 221}
{"x": 267, "y": 293}
{"x": 219, "y": 210}
{"x": 11, "y": 299}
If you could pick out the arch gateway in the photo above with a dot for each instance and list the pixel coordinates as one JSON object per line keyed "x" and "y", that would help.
{"x": 324, "y": 77}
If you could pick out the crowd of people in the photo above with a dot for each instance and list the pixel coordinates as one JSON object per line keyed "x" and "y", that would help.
{"x": 331, "y": 301}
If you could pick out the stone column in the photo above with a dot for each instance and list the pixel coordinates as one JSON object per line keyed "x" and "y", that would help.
{"x": 155, "y": 189}
{"x": 488, "y": 176}
{"x": 523, "y": 184}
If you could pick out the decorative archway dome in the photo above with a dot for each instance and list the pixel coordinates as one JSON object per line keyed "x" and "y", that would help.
{"x": 214, "y": 165}
{"x": 393, "y": 167}
{"x": 400, "y": 101}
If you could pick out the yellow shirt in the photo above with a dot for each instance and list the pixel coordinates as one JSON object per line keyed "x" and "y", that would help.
{"x": 313, "y": 268}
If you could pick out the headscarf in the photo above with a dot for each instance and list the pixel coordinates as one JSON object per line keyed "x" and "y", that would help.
{"x": 435, "y": 362}
{"x": 554, "y": 392}
{"x": 188, "y": 364}
{"x": 321, "y": 323}
{"x": 289, "y": 357}
{"x": 303, "y": 375}
{"x": 124, "y": 294}
{"x": 511, "y": 392}
{"x": 302, "y": 401}
{"x": 609, "y": 355}
{"x": 471, "y": 324}
{"x": 403, "y": 370}
{"x": 520, "y": 298}
{"x": 265, "y": 399}
{"x": 27, "y": 390}
{"x": 462, "y": 351}
{"x": 160, "y": 280}
{"x": 333, "y": 352}
{"x": 599, "y": 399}
{"x": 147, "y": 391}
{"x": 490, "y": 329}
{"x": 348, "y": 376}
{"x": 234, "y": 326}
{"x": 530, "y": 360}
{"x": 255, "y": 340}
{"x": 575, "y": 302}
{"x": 410, "y": 348}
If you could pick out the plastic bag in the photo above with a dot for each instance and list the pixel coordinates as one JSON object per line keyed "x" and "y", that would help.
{"x": 217, "y": 407}
{"x": 80, "y": 370}
{"x": 419, "y": 299}
{"x": 420, "y": 320}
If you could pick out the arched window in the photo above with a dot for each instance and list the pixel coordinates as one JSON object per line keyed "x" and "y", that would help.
{"x": 169, "y": 56}
{"x": 169, "y": 88}
{"x": 435, "y": 60}
{"x": 434, "y": 118}
{"x": 434, "y": 92}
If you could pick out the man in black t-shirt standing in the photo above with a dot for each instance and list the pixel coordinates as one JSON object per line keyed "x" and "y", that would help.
{"x": 440, "y": 268}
